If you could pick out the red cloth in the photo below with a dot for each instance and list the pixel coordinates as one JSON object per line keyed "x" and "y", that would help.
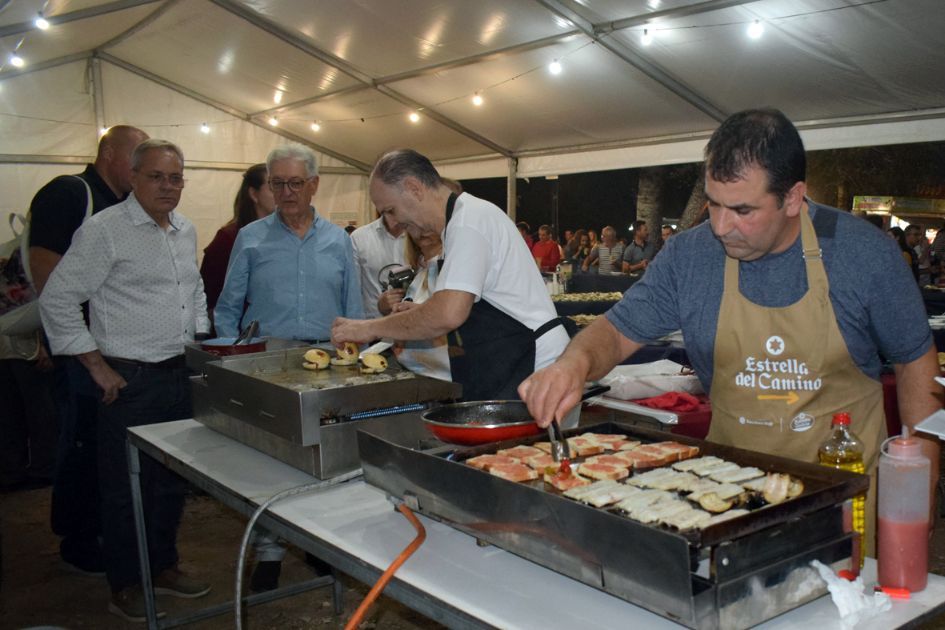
{"x": 679, "y": 402}
{"x": 549, "y": 253}
{"x": 215, "y": 259}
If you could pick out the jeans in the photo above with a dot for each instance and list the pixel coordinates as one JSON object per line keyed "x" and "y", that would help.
{"x": 151, "y": 396}
{"x": 76, "y": 508}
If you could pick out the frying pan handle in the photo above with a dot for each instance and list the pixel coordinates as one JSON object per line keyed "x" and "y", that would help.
{"x": 595, "y": 390}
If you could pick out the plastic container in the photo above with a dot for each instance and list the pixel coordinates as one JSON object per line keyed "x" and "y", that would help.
{"x": 844, "y": 450}
{"x": 903, "y": 531}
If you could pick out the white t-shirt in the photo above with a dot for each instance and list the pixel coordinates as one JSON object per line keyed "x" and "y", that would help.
{"x": 429, "y": 357}
{"x": 374, "y": 249}
{"x": 486, "y": 256}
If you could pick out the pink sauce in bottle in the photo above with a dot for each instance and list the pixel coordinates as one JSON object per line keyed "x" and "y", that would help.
{"x": 903, "y": 550}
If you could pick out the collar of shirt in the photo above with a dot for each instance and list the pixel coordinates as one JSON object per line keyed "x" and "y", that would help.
{"x": 311, "y": 230}
{"x": 139, "y": 215}
{"x": 99, "y": 185}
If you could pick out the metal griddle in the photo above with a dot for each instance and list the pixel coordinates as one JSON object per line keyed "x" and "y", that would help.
{"x": 309, "y": 419}
{"x": 732, "y": 575}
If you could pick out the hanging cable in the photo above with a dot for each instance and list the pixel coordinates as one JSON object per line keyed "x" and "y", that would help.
{"x": 291, "y": 492}
{"x": 381, "y": 583}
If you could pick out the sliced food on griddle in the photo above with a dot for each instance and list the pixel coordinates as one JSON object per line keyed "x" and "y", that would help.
{"x": 484, "y": 462}
{"x": 712, "y": 502}
{"x": 565, "y": 482}
{"x": 513, "y": 472}
{"x": 687, "y": 519}
{"x": 611, "y": 460}
{"x": 737, "y": 475}
{"x": 643, "y": 499}
{"x": 519, "y": 452}
{"x": 692, "y": 464}
{"x": 542, "y": 462}
{"x": 543, "y": 446}
{"x": 663, "y": 479}
{"x": 639, "y": 459}
{"x": 601, "y": 493}
{"x": 601, "y": 471}
{"x": 582, "y": 447}
{"x": 704, "y": 470}
{"x": 724, "y": 491}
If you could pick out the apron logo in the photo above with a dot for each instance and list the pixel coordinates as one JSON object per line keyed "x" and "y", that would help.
{"x": 763, "y": 423}
{"x": 774, "y": 345}
{"x": 802, "y": 422}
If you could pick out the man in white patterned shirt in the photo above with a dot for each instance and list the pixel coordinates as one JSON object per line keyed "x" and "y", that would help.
{"x": 136, "y": 265}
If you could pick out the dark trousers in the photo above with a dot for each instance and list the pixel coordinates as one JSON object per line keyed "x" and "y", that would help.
{"x": 28, "y": 422}
{"x": 151, "y": 396}
{"x": 76, "y": 508}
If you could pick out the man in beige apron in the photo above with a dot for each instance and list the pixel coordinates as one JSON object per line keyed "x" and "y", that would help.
{"x": 780, "y": 359}
{"x": 781, "y": 370}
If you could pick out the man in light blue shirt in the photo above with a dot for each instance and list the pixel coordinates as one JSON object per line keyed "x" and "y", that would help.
{"x": 294, "y": 270}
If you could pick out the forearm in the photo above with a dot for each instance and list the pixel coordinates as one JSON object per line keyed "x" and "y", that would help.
{"x": 919, "y": 397}
{"x": 427, "y": 321}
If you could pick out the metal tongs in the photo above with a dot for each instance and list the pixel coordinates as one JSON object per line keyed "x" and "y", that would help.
{"x": 560, "y": 451}
{"x": 248, "y": 333}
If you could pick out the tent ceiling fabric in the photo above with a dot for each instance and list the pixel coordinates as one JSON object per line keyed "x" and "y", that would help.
{"x": 359, "y": 67}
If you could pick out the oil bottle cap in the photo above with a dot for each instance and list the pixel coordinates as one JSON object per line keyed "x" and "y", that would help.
{"x": 842, "y": 418}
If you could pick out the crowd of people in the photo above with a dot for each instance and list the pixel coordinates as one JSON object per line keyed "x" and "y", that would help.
{"x": 926, "y": 259}
{"x": 455, "y": 283}
{"x": 611, "y": 254}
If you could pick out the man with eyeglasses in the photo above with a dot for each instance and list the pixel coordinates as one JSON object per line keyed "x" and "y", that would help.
{"x": 56, "y": 212}
{"x": 136, "y": 265}
{"x": 294, "y": 270}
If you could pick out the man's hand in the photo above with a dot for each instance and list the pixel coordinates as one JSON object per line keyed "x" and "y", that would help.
{"x": 104, "y": 376}
{"x": 552, "y": 392}
{"x": 389, "y": 299}
{"x": 44, "y": 362}
{"x": 356, "y": 330}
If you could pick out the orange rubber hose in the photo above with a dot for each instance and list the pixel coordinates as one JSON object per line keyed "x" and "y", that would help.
{"x": 381, "y": 583}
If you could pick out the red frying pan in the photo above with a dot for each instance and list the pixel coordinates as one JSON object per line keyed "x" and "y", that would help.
{"x": 480, "y": 422}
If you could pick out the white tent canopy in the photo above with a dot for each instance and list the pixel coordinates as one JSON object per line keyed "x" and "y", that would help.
{"x": 849, "y": 72}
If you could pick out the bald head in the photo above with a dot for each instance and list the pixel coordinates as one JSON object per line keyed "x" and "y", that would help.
{"x": 113, "y": 161}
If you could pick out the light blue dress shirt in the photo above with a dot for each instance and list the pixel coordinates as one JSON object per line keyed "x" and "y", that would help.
{"x": 294, "y": 286}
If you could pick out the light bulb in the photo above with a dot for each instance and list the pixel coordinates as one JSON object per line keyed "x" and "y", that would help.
{"x": 273, "y": 121}
{"x": 102, "y": 131}
{"x": 41, "y": 23}
{"x": 647, "y": 39}
{"x": 756, "y": 29}
{"x": 204, "y": 128}
{"x": 476, "y": 99}
{"x": 316, "y": 126}
{"x": 277, "y": 97}
{"x": 414, "y": 117}
{"x": 554, "y": 67}
{"x": 16, "y": 61}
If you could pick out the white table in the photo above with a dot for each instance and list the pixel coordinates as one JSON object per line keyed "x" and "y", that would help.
{"x": 450, "y": 579}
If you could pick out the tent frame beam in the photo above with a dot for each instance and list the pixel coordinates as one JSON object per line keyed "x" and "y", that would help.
{"x": 81, "y": 14}
{"x": 232, "y": 111}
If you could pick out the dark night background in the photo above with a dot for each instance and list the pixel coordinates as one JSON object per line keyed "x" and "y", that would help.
{"x": 593, "y": 200}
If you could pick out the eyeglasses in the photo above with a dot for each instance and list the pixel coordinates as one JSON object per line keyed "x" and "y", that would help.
{"x": 173, "y": 180}
{"x": 295, "y": 185}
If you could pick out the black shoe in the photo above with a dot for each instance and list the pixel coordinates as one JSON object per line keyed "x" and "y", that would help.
{"x": 318, "y": 565}
{"x": 83, "y": 555}
{"x": 265, "y": 576}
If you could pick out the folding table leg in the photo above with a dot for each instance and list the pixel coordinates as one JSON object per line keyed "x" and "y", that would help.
{"x": 337, "y": 592}
{"x": 134, "y": 474}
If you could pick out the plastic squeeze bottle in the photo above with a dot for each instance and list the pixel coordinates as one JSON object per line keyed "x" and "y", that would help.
{"x": 903, "y": 532}
{"x": 844, "y": 450}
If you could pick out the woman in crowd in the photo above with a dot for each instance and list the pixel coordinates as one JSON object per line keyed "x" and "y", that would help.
{"x": 427, "y": 357}
{"x": 908, "y": 254}
{"x": 582, "y": 248}
{"x": 253, "y": 201}
{"x": 592, "y": 236}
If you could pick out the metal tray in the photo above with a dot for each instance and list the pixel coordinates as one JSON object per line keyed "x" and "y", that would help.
{"x": 732, "y": 575}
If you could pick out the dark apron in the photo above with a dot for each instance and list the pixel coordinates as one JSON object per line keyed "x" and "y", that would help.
{"x": 491, "y": 353}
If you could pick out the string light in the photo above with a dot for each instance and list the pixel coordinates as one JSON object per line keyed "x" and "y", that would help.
{"x": 273, "y": 121}
{"x": 16, "y": 61}
{"x": 41, "y": 23}
{"x": 647, "y": 39}
{"x": 277, "y": 97}
{"x": 554, "y": 67}
{"x": 477, "y": 100}
{"x": 204, "y": 128}
{"x": 414, "y": 117}
{"x": 756, "y": 29}
{"x": 102, "y": 131}
{"x": 316, "y": 127}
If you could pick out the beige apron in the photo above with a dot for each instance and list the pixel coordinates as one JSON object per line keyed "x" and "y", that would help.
{"x": 781, "y": 373}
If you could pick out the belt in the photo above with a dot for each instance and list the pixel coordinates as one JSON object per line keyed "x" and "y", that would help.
{"x": 174, "y": 363}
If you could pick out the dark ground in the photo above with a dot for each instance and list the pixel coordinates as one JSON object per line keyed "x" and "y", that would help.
{"x": 39, "y": 590}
